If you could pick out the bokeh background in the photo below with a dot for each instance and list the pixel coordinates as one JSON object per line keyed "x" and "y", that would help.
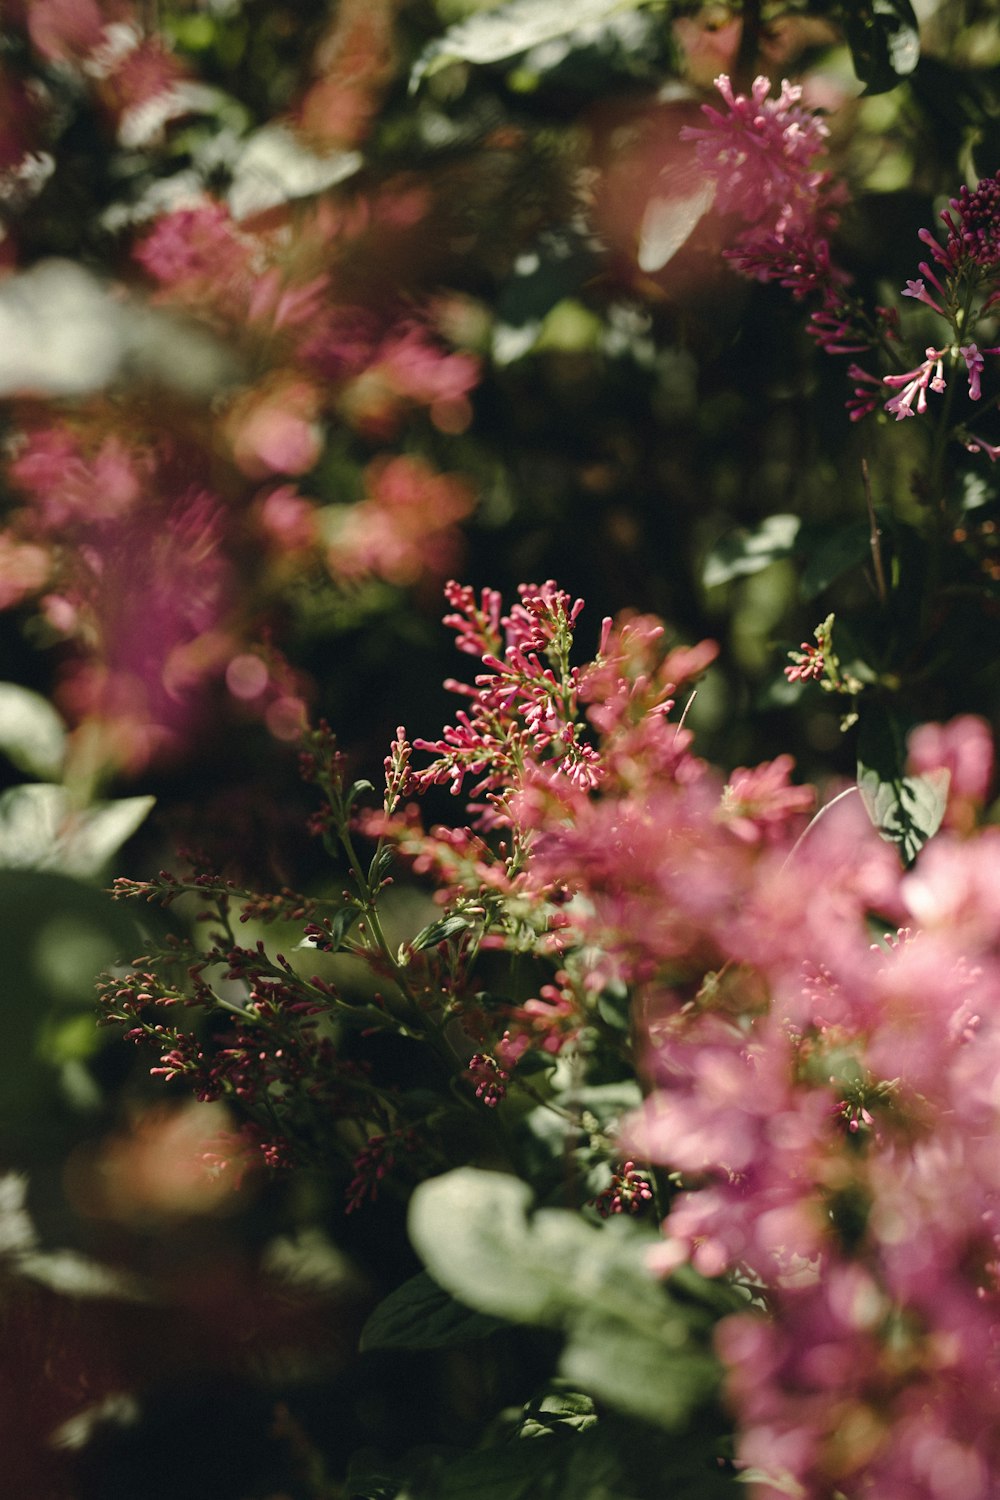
{"x": 304, "y": 309}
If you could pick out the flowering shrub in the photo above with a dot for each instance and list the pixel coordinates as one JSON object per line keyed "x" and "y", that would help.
{"x": 678, "y": 1082}
{"x": 818, "y": 1103}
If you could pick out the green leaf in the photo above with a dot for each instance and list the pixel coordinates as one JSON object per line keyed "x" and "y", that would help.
{"x": 41, "y": 828}
{"x": 420, "y": 1315}
{"x": 836, "y": 554}
{"x": 341, "y": 923}
{"x": 276, "y": 167}
{"x": 32, "y": 734}
{"x": 439, "y": 931}
{"x": 644, "y": 1376}
{"x": 555, "y": 1455}
{"x": 556, "y": 1410}
{"x": 906, "y": 810}
{"x": 743, "y": 552}
{"x": 884, "y": 38}
{"x": 380, "y": 865}
{"x": 56, "y": 934}
{"x": 562, "y": 1467}
{"x": 496, "y": 35}
{"x": 627, "y": 1340}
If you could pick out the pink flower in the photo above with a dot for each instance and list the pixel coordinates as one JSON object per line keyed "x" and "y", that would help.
{"x": 919, "y": 292}
{"x": 24, "y": 569}
{"x": 758, "y": 804}
{"x": 406, "y": 528}
{"x": 74, "y": 485}
{"x": 963, "y": 747}
{"x": 274, "y": 427}
{"x": 287, "y": 519}
{"x": 760, "y": 152}
{"x": 410, "y": 369}
{"x": 914, "y": 385}
{"x": 202, "y": 259}
{"x": 64, "y": 30}
{"x": 973, "y": 223}
{"x": 974, "y": 363}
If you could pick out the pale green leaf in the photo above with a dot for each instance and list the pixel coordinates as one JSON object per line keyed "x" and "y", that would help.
{"x": 743, "y": 552}
{"x": 42, "y": 829}
{"x": 32, "y": 735}
{"x": 496, "y": 35}
{"x": 627, "y": 1340}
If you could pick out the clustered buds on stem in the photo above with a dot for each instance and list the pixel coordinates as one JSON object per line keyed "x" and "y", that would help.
{"x": 762, "y": 154}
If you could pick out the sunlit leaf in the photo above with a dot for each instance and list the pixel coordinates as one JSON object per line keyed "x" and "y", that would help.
{"x": 742, "y": 552}
{"x": 32, "y": 734}
{"x": 884, "y": 38}
{"x": 42, "y": 829}
{"x": 275, "y": 167}
{"x": 906, "y": 810}
{"x": 626, "y": 1340}
{"x": 670, "y": 220}
{"x": 495, "y": 35}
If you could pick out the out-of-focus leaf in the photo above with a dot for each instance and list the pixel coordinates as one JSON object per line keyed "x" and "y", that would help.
{"x": 275, "y": 167}
{"x": 884, "y": 38}
{"x": 61, "y": 333}
{"x": 308, "y": 1259}
{"x": 580, "y": 1456}
{"x": 628, "y": 1341}
{"x": 495, "y": 35}
{"x": 42, "y": 829}
{"x": 63, "y": 1271}
{"x": 32, "y": 734}
{"x": 47, "y": 921}
{"x": 906, "y": 810}
{"x": 421, "y": 1315}
{"x": 743, "y": 552}
{"x": 73, "y": 1275}
{"x": 670, "y": 220}
{"x": 563, "y": 1467}
{"x": 833, "y": 556}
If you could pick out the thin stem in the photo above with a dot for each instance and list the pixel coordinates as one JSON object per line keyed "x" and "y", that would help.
{"x": 808, "y": 830}
{"x": 874, "y": 537}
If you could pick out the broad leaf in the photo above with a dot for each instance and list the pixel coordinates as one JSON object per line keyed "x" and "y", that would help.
{"x": 496, "y": 35}
{"x": 553, "y": 1455}
{"x": 277, "y": 167}
{"x": 906, "y": 810}
{"x": 627, "y": 1340}
{"x": 42, "y": 829}
{"x": 56, "y": 935}
{"x": 420, "y": 1315}
{"x": 884, "y": 38}
{"x": 742, "y": 552}
{"x": 32, "y": 734}
{"x": 834, "y": 555}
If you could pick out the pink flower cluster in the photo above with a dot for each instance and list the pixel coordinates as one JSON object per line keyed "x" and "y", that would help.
{"x": 816, "y": 1030}
{"x": 761, "y": 154}
{"x": 824, "y": 1098}
{"x": 155, "y": 532}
